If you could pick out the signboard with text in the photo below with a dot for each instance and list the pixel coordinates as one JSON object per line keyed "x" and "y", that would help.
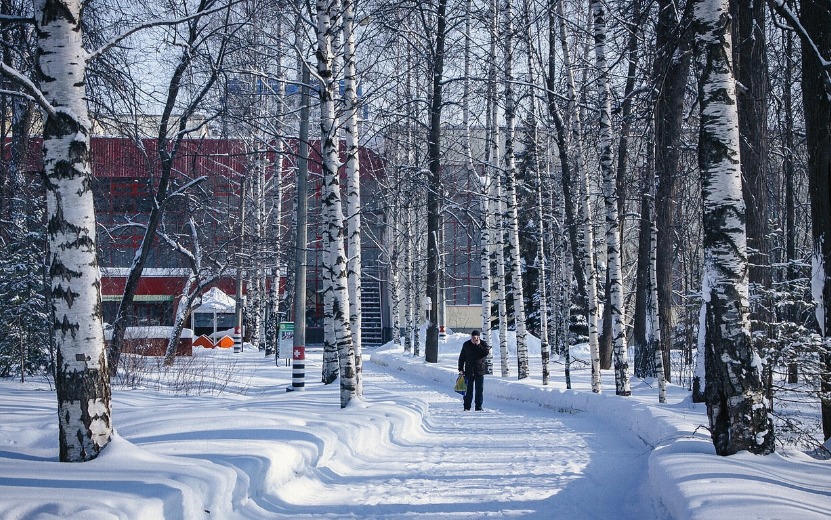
{"x": 286, "y": 339}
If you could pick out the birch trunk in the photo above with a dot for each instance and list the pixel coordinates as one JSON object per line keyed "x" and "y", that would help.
{"x": 545, "y": 350}
{"x": 577, "y": 160}
{"x": 511, "y": 217}
{"x": 409, "y": 313}
{"x": 497, "y": 256}
{"x": 615, "y": 273}
{"x": 272, "y": 334}
{"x": 336, "y": 299}
{"x": 81, "y": 374}
{"x": 734, "y": 394}
{"x": 254, "y": 285}
{"x": 655, "y": 344}
{"x": 410, "y": 345}
{"x": 353, "y": 184}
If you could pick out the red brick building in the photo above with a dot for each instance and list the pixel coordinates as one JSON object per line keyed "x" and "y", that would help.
{"x": 126, "y": 180}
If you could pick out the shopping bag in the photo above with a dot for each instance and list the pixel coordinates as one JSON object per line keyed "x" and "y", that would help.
{"x": 461, "y": 385}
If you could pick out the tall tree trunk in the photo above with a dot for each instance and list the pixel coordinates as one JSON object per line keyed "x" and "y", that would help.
{"x": 336, "y": 294}
{"x": 613, "y": 261}
{"x": 734, "y": 394}
{"x": 272, "y": 339}
{"x": 435, "y": 189}
{"x": 511, "y": 216}
{"x": 483, "y": 183}
{"x": 655, "y": 345}
{"x": 410, "y": 327}
{"x": 788, "y": 164}
{"x": 815, "y": 16}
{"x": 643, "y": 276}
{"x": 670, "y": 73}
{"x": 353, "y": 184}
{"x": 578, "y": 167}
{"x": 642, "y": 358}
{"x": 496, "y": 178}
{"x": 750, "y": 68}
{"x": 534, "y": 148}
{"x": 81, "y": 374}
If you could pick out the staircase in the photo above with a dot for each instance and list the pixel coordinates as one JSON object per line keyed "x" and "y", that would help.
{"x": 372, "y": 323}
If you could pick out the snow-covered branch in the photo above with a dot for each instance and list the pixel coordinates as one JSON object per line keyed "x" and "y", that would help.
{"x": 30, "y": 90}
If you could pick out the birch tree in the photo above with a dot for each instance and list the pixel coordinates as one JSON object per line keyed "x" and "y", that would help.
{"x": 353, "y": 183}
{"x": 510, "y": 216}
{"x": 493, "y": 159}
{"x": 336, "y": 292}
{"x": 577, "y": 164}
{"x": 272, "y": 339}
{"x": 613, "y": 261}
{"x": 81, "y": 374}
{"x": 735, "y": 401}
{"x": 534, "y": 163}
{"x": 483, "y": 184}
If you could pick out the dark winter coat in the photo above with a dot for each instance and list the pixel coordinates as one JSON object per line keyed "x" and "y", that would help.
{"x": 472, "y": 358}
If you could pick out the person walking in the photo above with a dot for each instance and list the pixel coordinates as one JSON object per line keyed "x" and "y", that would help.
{"x": 473, "y": 364}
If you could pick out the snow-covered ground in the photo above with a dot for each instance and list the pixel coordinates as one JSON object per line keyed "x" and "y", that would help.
{"x": 219, "y": 437}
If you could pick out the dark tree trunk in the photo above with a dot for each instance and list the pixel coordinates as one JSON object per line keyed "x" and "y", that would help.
{"x": 816, "y": 96}
{"x": 434, "y": 191}
{"x": 604, "y": 341}
{"x": 750, "y": 69}
{"x": 643, "y": 356}
{"x": 670, "y": 79}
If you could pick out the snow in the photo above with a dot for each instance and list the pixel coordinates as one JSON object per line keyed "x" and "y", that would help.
{"x": 818, "y": 278}
{"x": 215, "y": 300}
{"x": 245, "y": 448}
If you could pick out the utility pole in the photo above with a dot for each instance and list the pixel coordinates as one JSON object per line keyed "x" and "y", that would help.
{"x": 298, "y": 355}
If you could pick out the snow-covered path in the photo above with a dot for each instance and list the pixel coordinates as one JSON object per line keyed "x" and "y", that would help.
{"x": 254, "y": 451}
{"x": 218, "y": 437}
{"x": 511, "y": 461}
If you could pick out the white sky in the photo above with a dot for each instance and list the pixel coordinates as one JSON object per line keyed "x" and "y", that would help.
{"x": 406, "y": 451}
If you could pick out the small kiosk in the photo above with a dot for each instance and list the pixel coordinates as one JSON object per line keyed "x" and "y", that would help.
{"x": 216, "y": 313}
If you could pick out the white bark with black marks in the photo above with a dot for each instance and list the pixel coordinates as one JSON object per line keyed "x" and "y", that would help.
{"x": 337, "y": 333}
{"x": 734, "y": 394}
{"x": 613, "y": 261}
{"x": 81, "y": 372}
{"x": 353, "y": 183}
